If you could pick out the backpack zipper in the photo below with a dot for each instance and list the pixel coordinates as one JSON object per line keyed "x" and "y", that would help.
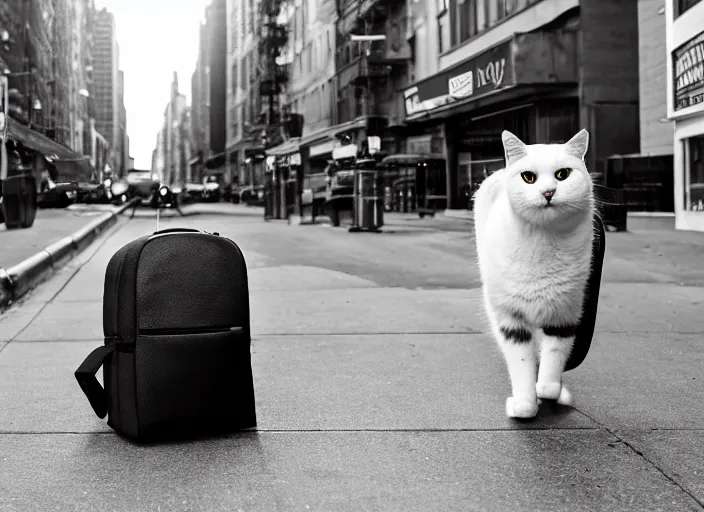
{"x": 183, "y": 331}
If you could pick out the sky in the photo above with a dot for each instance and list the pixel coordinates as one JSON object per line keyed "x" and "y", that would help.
{"x": 156, "y": 38}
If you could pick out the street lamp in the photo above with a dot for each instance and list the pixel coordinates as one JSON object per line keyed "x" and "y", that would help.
{"x": 37, "y": 105}
{"x": 84, "y": 93}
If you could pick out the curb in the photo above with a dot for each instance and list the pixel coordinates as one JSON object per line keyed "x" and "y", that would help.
{"x": 19, "y": 279}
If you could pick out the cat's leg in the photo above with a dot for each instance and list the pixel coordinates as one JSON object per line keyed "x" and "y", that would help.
{"x": 555, "y": 345}
{"x": 517, "y": 343}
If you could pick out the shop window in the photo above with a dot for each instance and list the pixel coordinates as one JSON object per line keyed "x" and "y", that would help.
{"x": 694, "y": 193}
{"x": 681, "y": 6}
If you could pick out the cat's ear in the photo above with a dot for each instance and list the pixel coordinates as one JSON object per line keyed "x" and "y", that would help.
{"x": 577, "y": 145}
{"x": 514, "y": 149}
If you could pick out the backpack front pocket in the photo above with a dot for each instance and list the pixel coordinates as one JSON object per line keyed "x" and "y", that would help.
{"x": 194, "y": 380}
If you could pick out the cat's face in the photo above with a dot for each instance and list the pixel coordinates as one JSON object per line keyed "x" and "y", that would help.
{"x": 548, "y": 184}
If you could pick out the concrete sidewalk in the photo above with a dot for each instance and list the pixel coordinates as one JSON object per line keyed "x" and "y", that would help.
{"x": 374, "y": 391}
{"x": 50, "y": 226}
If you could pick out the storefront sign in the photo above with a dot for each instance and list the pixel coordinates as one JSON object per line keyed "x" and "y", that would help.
{"x": 414, "y": 105}
{"x": 688, "y": 76}
{"x": 486, "y": 72}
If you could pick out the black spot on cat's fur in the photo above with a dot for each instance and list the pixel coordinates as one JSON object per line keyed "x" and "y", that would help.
{"x": 563, "y": 331}
{"x": 517, "y": 315}
{"x": 516, "y": 334}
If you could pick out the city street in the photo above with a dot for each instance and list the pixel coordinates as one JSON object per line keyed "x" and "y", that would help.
{"x": 377, "y": 385}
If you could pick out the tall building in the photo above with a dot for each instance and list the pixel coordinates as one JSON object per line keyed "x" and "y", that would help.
{"x": 200, "y": 105}
{"x": 171, "y": 161}
{"x": 63, "y": 85}
{"x": 106, "y": 84}
{"x": 217, "y": 64}
{"x": 685, "y": 106}
{"x": 122, "y": 151}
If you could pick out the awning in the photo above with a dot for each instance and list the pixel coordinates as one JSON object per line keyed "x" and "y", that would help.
{"x": 287, "y": 148}
{"x": 411, "y": 159}
{"x": 507, "y": 94}
{"x": 70, "y": 171}
{"x": 330, "y": 132}
{"x": 38, "y": 142}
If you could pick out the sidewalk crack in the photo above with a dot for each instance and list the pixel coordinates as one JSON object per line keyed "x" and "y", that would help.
{"x": 622, "y": 439}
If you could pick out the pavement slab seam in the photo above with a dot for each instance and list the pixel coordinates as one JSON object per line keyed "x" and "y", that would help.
{"x": 622, "y": 439}
{"x": 78, "y": 265}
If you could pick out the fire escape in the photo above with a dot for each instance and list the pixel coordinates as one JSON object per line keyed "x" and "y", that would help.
{"x": 273, "y": 77}
{"x": 362, "y": 70}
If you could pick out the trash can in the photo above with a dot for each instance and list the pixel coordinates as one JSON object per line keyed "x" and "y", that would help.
{"x": 19, "y": 201}
{"x": 368, "y": 201}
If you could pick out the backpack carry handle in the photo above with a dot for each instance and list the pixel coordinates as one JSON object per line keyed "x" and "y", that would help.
{"x": 178, "y": 230}
{"x": 85, "y": 375}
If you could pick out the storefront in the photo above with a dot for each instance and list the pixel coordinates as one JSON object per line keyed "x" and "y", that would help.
{"x": 686, "y": 107}
{"x": 527, "y": 84}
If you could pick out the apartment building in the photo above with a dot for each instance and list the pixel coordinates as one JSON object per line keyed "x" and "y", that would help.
{"x": 685, "y": 106}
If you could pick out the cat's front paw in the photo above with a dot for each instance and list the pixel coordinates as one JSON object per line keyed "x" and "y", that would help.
{"x": 521, "y": 407}
{"x": 554, "y": 391}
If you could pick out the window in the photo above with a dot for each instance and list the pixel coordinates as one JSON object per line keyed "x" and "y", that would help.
{"x": 444, "y": 43}
{"x": 464, "y": 24}
{"x": 694, "y": 168}
{"x": 682, "y": 6}
{"x": 235, "y": 77}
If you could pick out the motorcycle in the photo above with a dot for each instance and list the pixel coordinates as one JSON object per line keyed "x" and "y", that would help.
{"x": 160, "y": 196}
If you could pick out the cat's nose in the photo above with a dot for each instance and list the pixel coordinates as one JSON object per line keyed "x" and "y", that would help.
{"x": 548, "y": 194}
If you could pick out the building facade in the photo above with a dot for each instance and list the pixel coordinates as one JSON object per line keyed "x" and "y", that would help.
{"x": 685, "y": 106}
{"x": 244, "y": 102}
{"x": 81, "y": 89}
{"x": 542, "y": 69}
{"x": 106, "y": 85}
{"x": 26, "y": 59}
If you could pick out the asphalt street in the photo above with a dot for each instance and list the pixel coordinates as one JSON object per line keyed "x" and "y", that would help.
{"x": 377, "y": 385}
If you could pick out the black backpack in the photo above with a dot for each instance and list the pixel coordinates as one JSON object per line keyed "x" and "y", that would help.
{"x": 585, "y": 329}
{"x": 176, "y": 360}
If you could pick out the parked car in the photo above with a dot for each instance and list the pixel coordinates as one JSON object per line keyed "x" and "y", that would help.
{"x": 193, "y": 192}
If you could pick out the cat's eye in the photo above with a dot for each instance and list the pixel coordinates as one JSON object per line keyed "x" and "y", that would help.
{"x": 562, "y": 174}
{"x": 528, "y": 177}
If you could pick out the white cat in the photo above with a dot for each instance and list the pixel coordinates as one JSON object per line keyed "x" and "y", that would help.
{"x": 533, "y": 222}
